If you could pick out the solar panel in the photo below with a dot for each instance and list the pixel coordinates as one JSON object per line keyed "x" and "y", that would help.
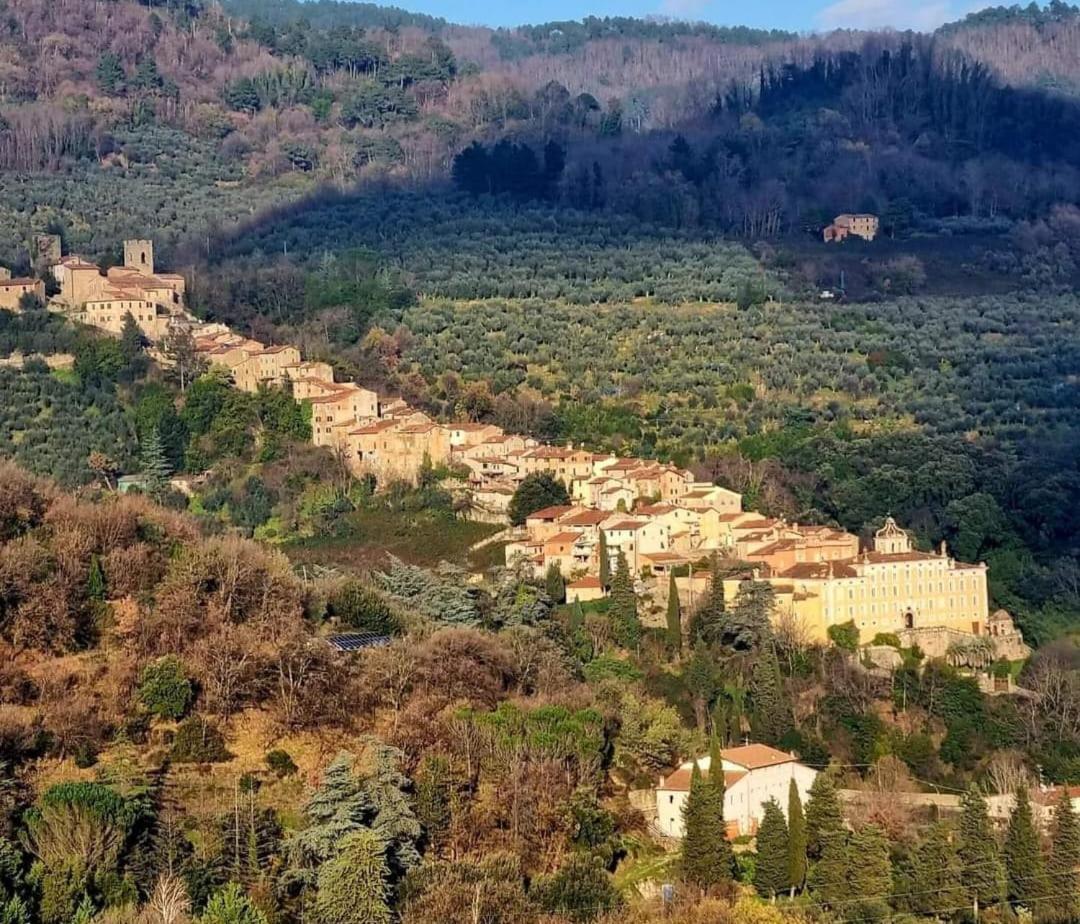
{"x": 356, "y": 641}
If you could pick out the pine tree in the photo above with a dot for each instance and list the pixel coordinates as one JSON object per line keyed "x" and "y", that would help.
{"x": 771, "y": 869}
{"x": 155, "y": 466}
{"x": 625, "y": 625}
{"x": 869, "y": 875}
{"x": 1024, "y": 867}
{"x": 605, "y": 562}
{"x": 796, "y": 858}
{"x": 823, "y": 815}
{"x": 353, "y": 886}
{"x": 980, "y": 864}
{"x": 95, "y": 581}
{"x": 708, "y": 619}
{"x": 828, "y": 878}
{"x": 674, "y": 618}
{"x": 132, "y": 342}
{"x": 771, "y": 715}
{"x": 1064, "y": 865}
{"x": 935, "y": 875}
{"x": 554, "y": 583}
{"x": 706, "y": 853}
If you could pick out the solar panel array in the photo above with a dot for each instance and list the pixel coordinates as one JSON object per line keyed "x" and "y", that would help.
{"x": 355, "y": 641}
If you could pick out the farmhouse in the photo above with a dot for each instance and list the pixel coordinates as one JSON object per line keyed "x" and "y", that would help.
{"x": 753, "y": 774}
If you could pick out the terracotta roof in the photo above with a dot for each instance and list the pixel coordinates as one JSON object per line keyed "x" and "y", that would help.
{"x": 819, "y": 570}
{"x": 665, "y": 557}
{"x": 1052, "y": 795}
{"x": 628, "y": 525}
{"x": 679, "y": 781}
{"x": 730, "y": 517}
{"x": 18, "y": 281}
{"x": 884, "y": 557}
{"x": 653, "y": 510}
{"x": 756, "y": 756}
{"x": 469, "y": 426}
{"x": 334, "y": 398}
{"x": 549, "y": 513}
{"x": 586, "y": 518}
{"x": 586, "y": 583}
{"x": 563, "y": 537}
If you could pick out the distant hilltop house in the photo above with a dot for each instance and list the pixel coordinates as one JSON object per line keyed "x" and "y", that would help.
{"x": 753, "y": 774}
{"x": 13, "y": 289}
{"x": 864, "y": 226}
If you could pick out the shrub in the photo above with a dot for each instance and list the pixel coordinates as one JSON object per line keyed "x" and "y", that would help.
{"x": 845, "y": 636}
{"x": 887, "y": 638}
{"x": 165, "y": 689}
{"x": 198, "y": 742}
{"x": 281, "y": 763}
{"x": 359, "y": 607}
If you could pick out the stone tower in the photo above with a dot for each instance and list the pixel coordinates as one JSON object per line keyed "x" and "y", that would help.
{"x": 139, "y": 256}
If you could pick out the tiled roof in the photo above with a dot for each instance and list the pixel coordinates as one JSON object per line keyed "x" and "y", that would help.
{"x": 586, "y": 583}
{"x": 756, "y": 756}
{"x": 679, "y": 781}
{"x": 819, "y": 570}
{"x": 549, "y": 513}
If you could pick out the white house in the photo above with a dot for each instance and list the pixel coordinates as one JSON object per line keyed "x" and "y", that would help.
{"x": 753, "y": 774}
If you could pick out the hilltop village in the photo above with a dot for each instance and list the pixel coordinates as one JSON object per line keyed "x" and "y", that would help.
{"x": 666, "y": 525}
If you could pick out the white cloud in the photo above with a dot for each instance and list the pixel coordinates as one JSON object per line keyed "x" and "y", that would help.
{"x": 898, "y": 14}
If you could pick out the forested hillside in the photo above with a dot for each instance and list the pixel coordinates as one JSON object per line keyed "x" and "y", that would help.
{"x": 183, "y": 118}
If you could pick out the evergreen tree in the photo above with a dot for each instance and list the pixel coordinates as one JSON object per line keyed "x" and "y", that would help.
{"x": 554, "y": 583}
{"x": 933, "y": 875}
{"x": 109, "y": 74}
{"x": 231, "y": 906}
{"x": 747, "y": 626}
{"x": 771, "y": 869}
{"x": 708, "y": 619}
{"x": 706, "y": 853}
{"x": 828, "y": 878}
{"x": 699, "y": 678}
{"x": 771, "y": 715}
{"x": 155, "y": 466}
{"x": 982, "y": 874}
{"x": 536, "y": 492}
{"x": 95, "y": 581}
{"x": 132, "y": 343}
{"x": 353, "y": 886}
{"x": 1064, "y": 865}
{"x": 674, "y": 618}
{"x": 1024, "y": 867}
{"x": 575, "y": 631}
{"x": 625, "y": 625}
{"x": 823, "y": 815}
{"x": 869, "y": 875}
{"x": 605, "y": 562}
{"x": 796, "y": 820}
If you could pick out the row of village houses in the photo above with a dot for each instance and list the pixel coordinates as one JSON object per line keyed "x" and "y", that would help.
{"x": 654, "y": 513}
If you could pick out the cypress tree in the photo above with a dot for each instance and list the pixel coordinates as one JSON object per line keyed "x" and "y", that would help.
{"x": 95, "y": 581}
{"x": 708, "y": 620}
{"x": 1064, "y": 865}
{"x": 626, "y": 627}
{"x": 605, "y": 562}
{"x": 828, "y": 878}
{"x": 554, "y": 584}
{"x": 1024, "y": 867}
{"x": 771, "y": 870}
{"x": 770, "y": 716}
{"x": 706, "y": 853}
{"x": 823, "y": 815}
{"x": 980, "y": 865}
{"x": 155, "y": 466}
{"x": 796, "y": 820}
{"x": 674, "y": 618}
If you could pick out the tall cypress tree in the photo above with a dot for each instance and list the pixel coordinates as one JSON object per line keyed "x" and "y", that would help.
{"x": 605, "y": 562}
{"x": 869, "y": 875}
{"x": 823, "y": 815}
{"x": 1064, "y": 865}
{"x": 796, "y": 820}
{"x": 771, "y": 715}
{"x": 706, "y": 853}
{"x": 1024, "y": 866}
{"x": 674, "y": 618}
{"x": 771, "y": 869}
{"x": 554, "y": 583}
{"x": 707, "y": 622}
{"x": 625, "y": 625}
{"x": 981, "y": 871}
{"x": 154, "y": 464}
{"x": 935, "y": 875}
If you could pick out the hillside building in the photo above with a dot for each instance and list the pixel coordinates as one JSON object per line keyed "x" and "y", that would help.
{"x": 753, "y": 774}
{"x": 864, "y": 226}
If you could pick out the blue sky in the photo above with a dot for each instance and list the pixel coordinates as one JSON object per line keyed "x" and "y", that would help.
{"x": 797, "y": 15}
